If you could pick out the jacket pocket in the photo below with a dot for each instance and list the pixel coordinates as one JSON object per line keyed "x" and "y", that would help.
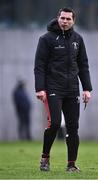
{"x": 74, "y": 83}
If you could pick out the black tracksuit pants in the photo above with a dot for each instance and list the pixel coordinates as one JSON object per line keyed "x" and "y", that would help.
{"x": 70, "y": 106}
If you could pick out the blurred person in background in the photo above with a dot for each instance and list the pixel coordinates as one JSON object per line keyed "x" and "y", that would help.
{"x": 60, "y": 61}
{"x": 23, "y": 106}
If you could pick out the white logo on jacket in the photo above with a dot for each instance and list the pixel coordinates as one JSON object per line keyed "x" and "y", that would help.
{"x": 53, "y": 94}
{"x": 59, "y": 47}
{"x": 75, "y": 44}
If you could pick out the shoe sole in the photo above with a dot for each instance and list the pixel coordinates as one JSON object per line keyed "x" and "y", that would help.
{"x": 44, "y": 169}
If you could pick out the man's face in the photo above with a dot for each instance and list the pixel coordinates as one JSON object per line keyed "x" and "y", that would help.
{"x": 65, "y": 20}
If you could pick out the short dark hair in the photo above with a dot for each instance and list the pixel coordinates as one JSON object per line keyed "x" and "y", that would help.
{"x": 67, "y": 10}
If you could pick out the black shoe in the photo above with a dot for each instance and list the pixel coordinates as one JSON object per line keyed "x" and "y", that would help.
{"x": 44, "y": 164}
{"x": 72, "y": 169}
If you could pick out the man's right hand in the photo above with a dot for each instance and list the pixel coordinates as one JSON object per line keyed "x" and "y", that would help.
{"x": 41, "y": 95}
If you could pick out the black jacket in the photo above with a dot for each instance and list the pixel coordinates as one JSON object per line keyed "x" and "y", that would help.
{"x": 60, "y": 59}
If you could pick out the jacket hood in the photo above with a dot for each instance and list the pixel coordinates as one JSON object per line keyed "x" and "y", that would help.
{"x": 53, "y": 26}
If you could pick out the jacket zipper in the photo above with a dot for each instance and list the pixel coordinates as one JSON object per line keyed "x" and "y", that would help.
{"x": 68, "y": 63}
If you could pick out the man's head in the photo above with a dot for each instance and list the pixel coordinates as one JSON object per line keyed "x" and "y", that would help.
{"x": 21, "y": 83}
{"x": 66, "y": 18}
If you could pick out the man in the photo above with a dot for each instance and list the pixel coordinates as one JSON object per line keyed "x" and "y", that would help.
{"x": 60, "y": 60}
{"x": 23, "y": 107}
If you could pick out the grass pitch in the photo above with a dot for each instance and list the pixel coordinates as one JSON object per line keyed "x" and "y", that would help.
{"x": 20, "y": 160}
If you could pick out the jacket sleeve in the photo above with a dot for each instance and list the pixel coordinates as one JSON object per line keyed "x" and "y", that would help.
{"x": 41, "y": 60}
{"x": 84, "y": 73}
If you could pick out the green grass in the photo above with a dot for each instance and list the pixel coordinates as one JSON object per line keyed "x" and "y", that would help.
{"x": 20, "y": 160}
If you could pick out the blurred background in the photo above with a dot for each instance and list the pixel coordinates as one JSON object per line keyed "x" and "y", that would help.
{"x": 21, "y": 24}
